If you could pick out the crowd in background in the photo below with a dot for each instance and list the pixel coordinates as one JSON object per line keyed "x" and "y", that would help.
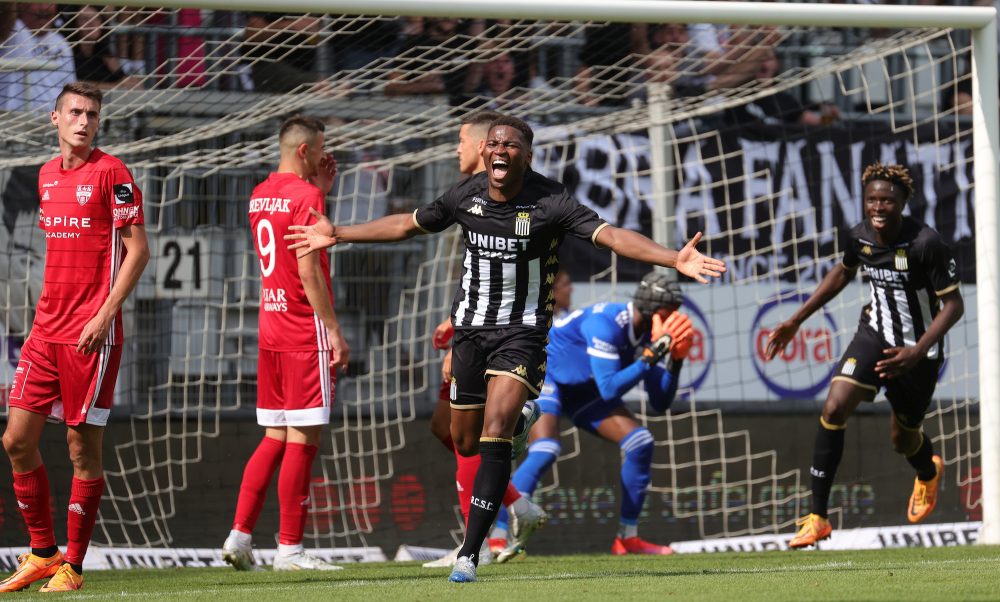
{"x": 45, "y": 45}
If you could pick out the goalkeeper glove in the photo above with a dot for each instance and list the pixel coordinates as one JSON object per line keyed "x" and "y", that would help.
{"x": 660, "y": 342}
{"x": 680, "y": 329}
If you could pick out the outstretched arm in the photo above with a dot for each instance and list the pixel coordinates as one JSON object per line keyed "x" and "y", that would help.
{"x": 324, "y": 234}
{"x": 834, "y": 282}
{"x": 688, "y": 261}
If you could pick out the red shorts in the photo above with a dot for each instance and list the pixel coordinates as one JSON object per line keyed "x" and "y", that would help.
{"x": 56, "y": 380}
{"x": 294, "y": 388}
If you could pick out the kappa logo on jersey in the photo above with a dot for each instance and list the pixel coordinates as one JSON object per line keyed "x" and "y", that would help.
{"x": 901, "y": 264}
{"x": 83, "y": 192}
{"x": 521, "y": 371}
{"x": 124, "y": 194}
{"x": 475, "y": 210}
{"x": 866, "y": 250}
{"x": 850, "y": 364}
{"x": 522, "y": 223}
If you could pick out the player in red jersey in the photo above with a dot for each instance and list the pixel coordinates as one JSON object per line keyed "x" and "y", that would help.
{"x": 300, "y": 345}
{"x": 95, "y": 251}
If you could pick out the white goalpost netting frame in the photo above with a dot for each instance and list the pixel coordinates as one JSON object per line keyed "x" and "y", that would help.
{"x": 980, "y": 21}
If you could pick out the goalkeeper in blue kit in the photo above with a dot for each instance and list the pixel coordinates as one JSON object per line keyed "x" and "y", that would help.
{"x": 595, "y": 356}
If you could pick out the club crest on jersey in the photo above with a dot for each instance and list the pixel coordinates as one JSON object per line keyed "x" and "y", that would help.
{"x": 901, "y": 264}
{"x": 866, "y": 250}
{"x": 475, "y": 210}
{"x": 83, "y": 192}
{"x": 522, "y": 224}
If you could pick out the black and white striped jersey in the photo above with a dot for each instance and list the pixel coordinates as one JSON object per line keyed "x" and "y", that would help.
{"x": 511, "y": 248}
{"x": 906, "y": 280}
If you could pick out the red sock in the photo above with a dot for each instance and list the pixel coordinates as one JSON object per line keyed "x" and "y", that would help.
{"x": 32, "y": 492}
{"x": 84, "y": 501}
{"x": 293, "y": 491}
{"x": 465, "y": 476}
{"x": 511, "y": 495}
{"x": 256, "y": 480}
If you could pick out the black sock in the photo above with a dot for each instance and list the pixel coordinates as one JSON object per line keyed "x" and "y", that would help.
{"x": 76, "y": 567}
{"x": 827, "y": 452}
{"x": 48, "y": 552}
{"x": 923, "y": 461}
{"x": 487, "y": 494}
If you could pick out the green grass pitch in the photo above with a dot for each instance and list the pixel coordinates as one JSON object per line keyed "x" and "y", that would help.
{"x": 954, "y": 573}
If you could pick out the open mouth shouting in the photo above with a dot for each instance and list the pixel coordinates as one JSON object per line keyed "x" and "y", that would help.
{"x": 499, "y": 168}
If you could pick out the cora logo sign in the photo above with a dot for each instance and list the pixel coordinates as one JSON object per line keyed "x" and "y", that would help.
{"x": 699, "y": 360}
{"x": 804, "y": 368}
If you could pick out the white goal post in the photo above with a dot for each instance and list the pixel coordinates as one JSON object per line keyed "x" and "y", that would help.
{"x": 985, "y": 119}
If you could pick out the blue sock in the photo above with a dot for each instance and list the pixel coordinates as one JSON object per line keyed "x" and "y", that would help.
{"x": 542, "y": 454}
{"x": 638, "y": 448}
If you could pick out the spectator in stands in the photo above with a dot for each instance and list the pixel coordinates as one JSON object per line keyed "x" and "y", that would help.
{"x": 359, "y": 44}
{"x": 95, "y": 60}
{"x": 731, "y": 54}
{"x": 281, "y": 50}
{"x": 959, "y": 98}
{"x": 437, "y": 41}
{"x": 33, "y": 38}
{"x": 606, "y": 73}
{"x": 780, "y": 108}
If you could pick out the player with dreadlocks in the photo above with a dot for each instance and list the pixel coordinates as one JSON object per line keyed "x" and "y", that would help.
{"x": 595, "y": 355}
{"x": 899, "y": 343}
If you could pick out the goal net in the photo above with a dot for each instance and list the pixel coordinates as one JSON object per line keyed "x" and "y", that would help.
{"x": 755, "y": 135}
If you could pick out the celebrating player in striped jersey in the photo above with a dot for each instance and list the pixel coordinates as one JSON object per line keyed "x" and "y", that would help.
{"x": 95, "y": 251}
{"x": 513, "y": 221}
{"x": 525, "y": 515}
{"x": 899, "y": 343}
{"x": 300, "y": 344}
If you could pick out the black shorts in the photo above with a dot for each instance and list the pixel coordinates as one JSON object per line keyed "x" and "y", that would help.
{"x": 909, "y": 394}
{"x": 480, "y": 353}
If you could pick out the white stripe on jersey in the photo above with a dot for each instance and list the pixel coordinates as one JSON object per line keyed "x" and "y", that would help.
{"x": 905, "y": 317}
{"x": 602, "y": 354}
{"x": 483, "y": 295}
{"x": 117, "y": 251}
{"x": 466, "y": 280}
{"x": 534, "y": 284}
{"x": 881, "y": 310}
{"x": 507, "y": 293}
{"x": 925, "y": 316}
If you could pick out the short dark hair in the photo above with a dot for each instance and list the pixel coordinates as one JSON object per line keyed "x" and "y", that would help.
{"x": 517, "y": 124}
{"x": 481, "y": 118}
{"x": 310, "y": 124}
{"x": 894, "y": 174}
{"x": 81, "y": 89}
